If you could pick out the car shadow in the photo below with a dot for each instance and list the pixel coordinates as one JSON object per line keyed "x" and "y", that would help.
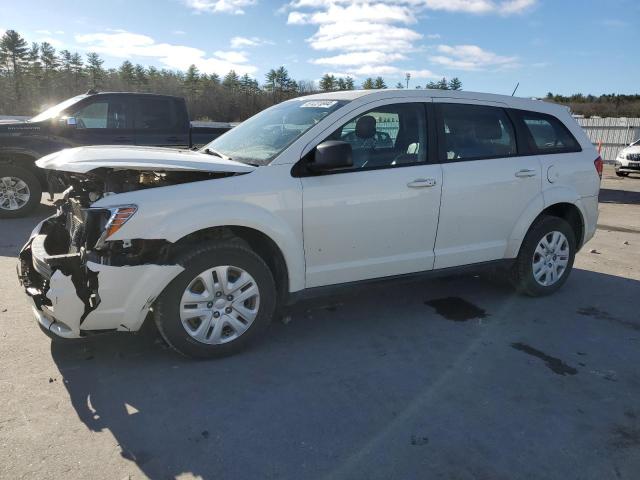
{"x": 14, "y": 232}
{"x": 325, "y": 394}
{"x": 628, "y": 197}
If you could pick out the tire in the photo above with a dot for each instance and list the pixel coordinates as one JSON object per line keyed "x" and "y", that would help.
{"x": 622, "y": 174}
{"x": 33, "y": 190}
{"x": 523, "y": 269}
{"x": 181, "y": 332}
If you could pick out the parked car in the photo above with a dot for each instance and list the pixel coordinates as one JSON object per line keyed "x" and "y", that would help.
{"x": 628, "y": 160}
{"x": 89, "y": 119}
{"x": 213, "y": 243}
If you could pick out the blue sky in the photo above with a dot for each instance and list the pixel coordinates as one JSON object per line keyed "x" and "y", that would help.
{"x": 564, "y": 46}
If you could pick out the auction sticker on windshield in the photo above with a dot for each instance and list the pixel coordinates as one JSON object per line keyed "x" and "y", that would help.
{"x": 319, "y": 104}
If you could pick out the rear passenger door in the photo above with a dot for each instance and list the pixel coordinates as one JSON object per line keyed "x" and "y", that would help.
{"x": 161, "y": 122}
{"x": 486, "y": 185}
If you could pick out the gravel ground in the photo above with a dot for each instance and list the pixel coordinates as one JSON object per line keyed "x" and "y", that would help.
{"x": 456, "y": 378}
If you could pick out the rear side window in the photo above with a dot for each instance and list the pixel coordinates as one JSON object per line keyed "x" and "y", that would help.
{"x": 548, "y": 134}
{"x": 155, "y": 114}
{"x": 473, "y": 132}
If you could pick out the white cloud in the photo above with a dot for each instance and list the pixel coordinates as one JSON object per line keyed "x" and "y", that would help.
{"x": 369, "y": 37}
{"x": 49, "y": 32}
{"x": 241, "y": 42}
{"x": 54, "y": 42}
{"x": 234, "y": 7}
{"x": 359, "y": 58}
{"x": 123, "y": 44}
{"x": 471, "y": 57}
{"x": 179, "y": 32}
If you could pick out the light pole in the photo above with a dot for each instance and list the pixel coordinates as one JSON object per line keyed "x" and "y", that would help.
{"x": 407, "y": 77}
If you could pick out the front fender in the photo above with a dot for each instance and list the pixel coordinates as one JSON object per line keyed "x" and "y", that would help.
{"x": 171, "y": 213}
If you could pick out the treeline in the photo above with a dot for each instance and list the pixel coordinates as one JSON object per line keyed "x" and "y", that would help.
{"x": 608, "y": 105}
{"x": 35, "y": 75}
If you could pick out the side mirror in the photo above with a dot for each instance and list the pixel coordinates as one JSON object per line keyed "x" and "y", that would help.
{"x": 71, "y": 121}
{"x": 331, "y": 155}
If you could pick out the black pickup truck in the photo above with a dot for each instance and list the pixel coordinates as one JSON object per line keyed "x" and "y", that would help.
{"x": 109, "y": 118}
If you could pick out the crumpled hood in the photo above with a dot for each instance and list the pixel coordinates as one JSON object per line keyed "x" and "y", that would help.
{"x": 85, "y": 159}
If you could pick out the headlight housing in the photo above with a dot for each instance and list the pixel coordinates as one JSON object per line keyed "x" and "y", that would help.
{"x": 119, "y": 215}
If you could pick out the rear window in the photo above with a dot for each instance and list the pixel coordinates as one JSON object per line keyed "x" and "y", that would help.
{"x": 473, "y": 132}
{"x": 548, "y": 134}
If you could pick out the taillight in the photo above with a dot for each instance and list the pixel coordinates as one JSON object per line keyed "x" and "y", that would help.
{"x": 599, "y": 164}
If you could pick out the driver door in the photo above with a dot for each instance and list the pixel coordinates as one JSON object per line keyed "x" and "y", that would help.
{"x": 378, "y": 218}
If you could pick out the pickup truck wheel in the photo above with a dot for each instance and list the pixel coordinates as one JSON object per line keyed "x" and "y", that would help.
{"x": 20, "y": 191}
{"x": 622, "y": 174}
{"x": 546, "y": 257}
{"x": 224, "y": 299}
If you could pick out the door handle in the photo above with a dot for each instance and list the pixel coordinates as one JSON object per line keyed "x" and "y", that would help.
{"x": 524, "y": 173}
{"x": 172, "y": 139}
{"x": 122, "y": 139}
{"x": 422, "y": 183}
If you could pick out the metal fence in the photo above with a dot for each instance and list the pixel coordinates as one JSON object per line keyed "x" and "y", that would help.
{"x": 612, "y": 134}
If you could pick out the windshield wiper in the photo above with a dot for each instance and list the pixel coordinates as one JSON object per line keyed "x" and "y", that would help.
{"x": 210, "y": 151}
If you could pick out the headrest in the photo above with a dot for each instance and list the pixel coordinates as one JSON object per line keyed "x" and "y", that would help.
{"x": 366, "y": 127}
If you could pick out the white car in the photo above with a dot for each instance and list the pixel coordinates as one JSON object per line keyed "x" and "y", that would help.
{"x": 628, "y": 160}
{"x": 305, "y": 197}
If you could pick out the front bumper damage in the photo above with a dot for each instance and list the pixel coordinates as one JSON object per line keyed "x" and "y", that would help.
{"x": 76, "y": 294}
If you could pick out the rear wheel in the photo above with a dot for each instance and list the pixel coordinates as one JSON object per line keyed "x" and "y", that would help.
{"x": 20, "y": 191}
{"x": 622, "y": 174}
{"x": 224, "y": 299}
{"x": 546, "y": 257}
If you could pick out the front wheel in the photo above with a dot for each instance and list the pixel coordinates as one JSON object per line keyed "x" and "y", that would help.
{"x": 20, "y": 191}
{"x": 622, "y": 174}
{"x": 546, "y": 257}
{"x": 225, "y": 298}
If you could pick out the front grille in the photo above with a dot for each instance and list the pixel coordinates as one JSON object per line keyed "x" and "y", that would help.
{"x": 633, "y": 156}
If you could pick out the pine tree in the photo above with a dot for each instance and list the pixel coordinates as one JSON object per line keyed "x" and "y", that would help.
{"x": 127, "y": 74}
{"x": 348, "y": 83}
{"x": 368, "y": 84}
{"x": 399, "y": 85}
{"x": 77, "y": 70}
{"x": 95, "y": 70}
{"x": 443, "y": 84}
{"x": 231, "y": 80}
{"x": 327, "y": 83}
{"x": 379, "y": 83}
{"x": 192, "y": 82}
{"x": 13, "y": 56}
{"x": 455, "y": 84}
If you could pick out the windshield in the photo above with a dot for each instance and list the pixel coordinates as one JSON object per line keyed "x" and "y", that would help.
{"x": 56, "y": 109}
{"x": 261, "y": 138}
{"x": 636, "y": 143}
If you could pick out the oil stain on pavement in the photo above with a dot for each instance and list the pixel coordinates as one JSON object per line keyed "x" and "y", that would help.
{"x": 556, "y": 365}
{"x": 456, "y": 309}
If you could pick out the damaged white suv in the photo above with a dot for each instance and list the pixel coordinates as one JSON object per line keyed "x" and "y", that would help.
{"x": 318, "y": 191}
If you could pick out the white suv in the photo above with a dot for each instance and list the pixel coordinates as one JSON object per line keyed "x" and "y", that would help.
{"x": 318, "y": 191}
{"x": 628, "y": 160}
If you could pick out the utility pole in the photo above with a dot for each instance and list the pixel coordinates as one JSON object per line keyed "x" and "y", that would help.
{"x": 407, "y": 77}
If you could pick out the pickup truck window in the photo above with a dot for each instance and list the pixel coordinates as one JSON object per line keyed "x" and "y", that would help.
{"x": 264, "y": 136}
{"x": 57, "y": 109}
{"x": 104, "y": 113}
{"x": 155, "y": 114}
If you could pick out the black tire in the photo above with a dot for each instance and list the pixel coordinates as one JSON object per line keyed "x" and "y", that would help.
{"x": 35, "y": 190}
{"x": 522, "y": 273}
{"x": 622, "y": 174}
{"x": 195, "y": 261}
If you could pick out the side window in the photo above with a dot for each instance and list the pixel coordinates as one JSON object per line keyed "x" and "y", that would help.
{"x": 473, "y": 132}
{"x": 102, "y": 114}
{"x": 386, "y": 136}
{"x": 549, "y": 134}
{"x": 155, "y": 114}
